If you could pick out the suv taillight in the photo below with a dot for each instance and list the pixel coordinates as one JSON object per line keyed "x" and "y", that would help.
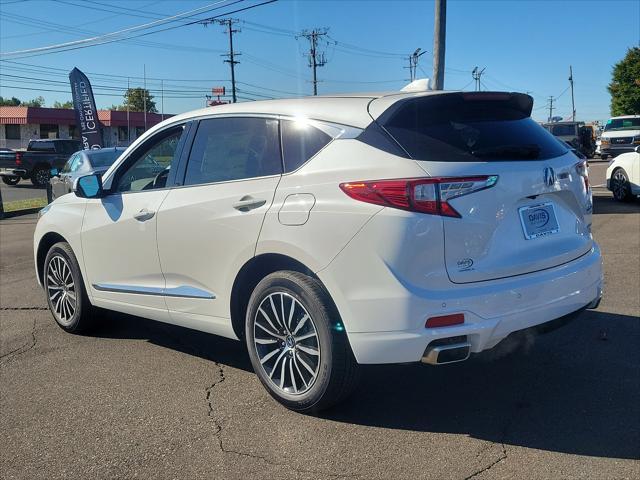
{"x": 18, "y": 158}
{"x": 582, "y": 168}
{"x": 423, "y": 195}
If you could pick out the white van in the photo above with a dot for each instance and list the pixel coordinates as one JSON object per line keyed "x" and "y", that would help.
{"x": 621, "y": 135}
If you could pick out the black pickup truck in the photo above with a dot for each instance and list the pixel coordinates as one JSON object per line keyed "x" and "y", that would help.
{"x": 35, "y": 162}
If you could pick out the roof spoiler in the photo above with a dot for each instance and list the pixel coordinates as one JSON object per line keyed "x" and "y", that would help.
{"x": 419, "y": 85}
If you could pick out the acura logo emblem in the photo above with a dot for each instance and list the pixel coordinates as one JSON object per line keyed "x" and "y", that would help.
{"x": 549, "y": 177}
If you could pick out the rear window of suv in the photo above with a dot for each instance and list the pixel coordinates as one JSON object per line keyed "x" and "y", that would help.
{"x": 471, "y": 128}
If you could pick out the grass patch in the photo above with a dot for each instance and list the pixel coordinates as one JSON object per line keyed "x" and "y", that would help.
{"x": 26, "y": 204}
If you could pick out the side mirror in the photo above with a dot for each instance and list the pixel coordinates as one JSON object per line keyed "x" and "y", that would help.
{"x": 54, "y": 172}
{"x": 89, "y": 186}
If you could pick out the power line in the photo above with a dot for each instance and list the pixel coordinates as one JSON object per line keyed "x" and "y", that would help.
{"x": 110, "y": 35}
{"x": 152, "y": 32}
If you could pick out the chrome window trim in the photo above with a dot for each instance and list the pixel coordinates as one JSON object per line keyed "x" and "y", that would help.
{"x": 182, "y": 291}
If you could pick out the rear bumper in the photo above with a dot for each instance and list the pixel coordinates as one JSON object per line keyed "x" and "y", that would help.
{"x": 492, "y": 310}
{"x": 12, "y": 172}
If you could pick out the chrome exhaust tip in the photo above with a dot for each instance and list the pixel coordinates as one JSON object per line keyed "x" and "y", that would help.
{"x": 442, "y": 354}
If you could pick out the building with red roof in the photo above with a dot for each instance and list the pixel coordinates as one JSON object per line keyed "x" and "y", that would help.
{"x": 18, "y": 125}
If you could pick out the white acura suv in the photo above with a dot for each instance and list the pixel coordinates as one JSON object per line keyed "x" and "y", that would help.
{"x": 328, "y": 232}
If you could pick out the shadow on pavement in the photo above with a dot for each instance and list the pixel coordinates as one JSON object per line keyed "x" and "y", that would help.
{"x": 203, "y": 345}
{"x": 575, "y": 390}
{"x": 603, "y": 203}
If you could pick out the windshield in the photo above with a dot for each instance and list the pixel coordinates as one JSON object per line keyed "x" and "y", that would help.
{"x": 619, "y": 124}
{"x": 449, "y": 128}
{"x": 105, "y": 158}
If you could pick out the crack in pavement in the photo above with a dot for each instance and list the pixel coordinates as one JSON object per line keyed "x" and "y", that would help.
{"x": 503, "y": 456}
{"x": 225, "y": 450}
{"x": 24, "y": 348}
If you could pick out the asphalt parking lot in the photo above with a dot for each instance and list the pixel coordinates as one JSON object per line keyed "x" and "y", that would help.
{"x": 139, "y": 399}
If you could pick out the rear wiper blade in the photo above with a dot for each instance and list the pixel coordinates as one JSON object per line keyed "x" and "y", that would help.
{"x": 516, "y": 151}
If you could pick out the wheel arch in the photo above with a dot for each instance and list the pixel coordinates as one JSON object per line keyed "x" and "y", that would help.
{"x": 250, "y": 275}
{"x": 46, "y": 242}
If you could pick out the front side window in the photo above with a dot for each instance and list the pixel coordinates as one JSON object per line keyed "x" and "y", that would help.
{"x": 227, "y": 149}
{"x": 300, "y": 142}
{"x": 151, "y": 162}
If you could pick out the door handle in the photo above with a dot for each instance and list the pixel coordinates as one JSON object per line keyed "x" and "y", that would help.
{"x": 144, "y": 215}
{"x": 247, "y": 203}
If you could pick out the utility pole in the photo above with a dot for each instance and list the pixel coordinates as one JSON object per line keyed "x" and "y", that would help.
{"x": 316, "y": 58}
{"x": 477, "y": 75}
{"x": 128, "y": 121}
{"x": 162, "y": 97}
{"x": 551, "y": 107}
{"x": 573, "y": 103}
{"x": 439, "y": 37}
{"x": 144, "y": 95}
{"x": 231, "y": 60}
{"x": 413, "y": 63}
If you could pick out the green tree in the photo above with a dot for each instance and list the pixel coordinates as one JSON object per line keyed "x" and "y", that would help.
{"x": 67, "y": 104}
{"x": 625, "y": 84}
{"x": 36, "y": 102}
{"x": 9, "y": 102}
{"x": 135, "y": 99}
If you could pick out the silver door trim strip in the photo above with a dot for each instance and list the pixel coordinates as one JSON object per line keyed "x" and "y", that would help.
{"x": 183, "y": 291}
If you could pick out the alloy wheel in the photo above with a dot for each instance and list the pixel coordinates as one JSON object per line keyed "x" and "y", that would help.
{"x": 42, "y": 177}
{"x": 286, "y": 343}
{"x": 61, "y": 289}
{"x": 619, "y": 185}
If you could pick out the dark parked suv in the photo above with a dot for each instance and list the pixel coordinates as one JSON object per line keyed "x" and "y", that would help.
{"x": 37, "y": 160}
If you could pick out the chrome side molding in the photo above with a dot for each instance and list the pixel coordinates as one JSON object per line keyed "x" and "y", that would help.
{"x": 183, "y": 291}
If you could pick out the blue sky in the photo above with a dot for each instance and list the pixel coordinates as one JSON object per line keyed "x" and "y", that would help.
{"x": 524, "y": 45}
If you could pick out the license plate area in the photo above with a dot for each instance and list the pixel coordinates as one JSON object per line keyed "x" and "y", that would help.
{"x": 538, "y": 220}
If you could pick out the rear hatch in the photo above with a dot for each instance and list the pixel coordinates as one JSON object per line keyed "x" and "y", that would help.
{"x": 533, "y": 212}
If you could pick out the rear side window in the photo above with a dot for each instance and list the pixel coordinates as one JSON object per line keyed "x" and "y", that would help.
{"x": 232, "y": 149}
{"x": 300, "y": 142}
{"x": 472, "y": 128}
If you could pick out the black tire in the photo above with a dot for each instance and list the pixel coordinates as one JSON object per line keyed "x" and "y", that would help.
{"x": 40, "y": 177}
{"x": 336, "y": 368}
{"x": 10, "y": 180}
{"x": 603, "y": 157}
{"x": 620, "y": 186}
{"x": 66, "y": 264}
